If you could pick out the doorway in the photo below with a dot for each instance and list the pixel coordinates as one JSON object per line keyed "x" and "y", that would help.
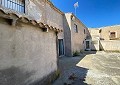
{"x": 87, "y": 45}
{"x": 61, "y": 47}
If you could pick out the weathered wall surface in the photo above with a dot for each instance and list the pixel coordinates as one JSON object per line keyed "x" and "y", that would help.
{"x": 94, "y": 33}
{"x": 77, "y": 39}
{"x": 36, "y": 10}
{"x": 95, "y": 36}
{"x": 110, "y": 45}
{"x": 55, "y": 19}
{"x": 95, "y": 45}
{"x": 105, "y": 32}
{"x": 67, "y": 35}
{"x": 43, "y": 11}
{"x": 27, "y": 54}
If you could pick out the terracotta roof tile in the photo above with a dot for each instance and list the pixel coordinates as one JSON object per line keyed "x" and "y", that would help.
{"x": 5, "y": 13}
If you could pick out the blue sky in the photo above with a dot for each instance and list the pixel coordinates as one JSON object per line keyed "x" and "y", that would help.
{"x": 93, "y": 13}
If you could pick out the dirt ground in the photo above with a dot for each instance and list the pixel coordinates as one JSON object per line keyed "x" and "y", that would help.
{"x": 90, "y": 68}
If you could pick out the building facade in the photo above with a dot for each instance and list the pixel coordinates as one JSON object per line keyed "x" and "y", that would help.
{"x": 110, "y": 38}
{"x": 105, "y": 38}
{"x": 75, "y": 33}
{"x": 93, "y": 40}
{"x": 29, "y": 36}
{"x": 110, "y": 33}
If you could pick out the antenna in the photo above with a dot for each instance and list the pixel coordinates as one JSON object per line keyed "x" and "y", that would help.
{"x": 76, "y": 6}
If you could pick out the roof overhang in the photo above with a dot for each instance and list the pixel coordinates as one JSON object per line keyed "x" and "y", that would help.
{"x": 15, "y": 16}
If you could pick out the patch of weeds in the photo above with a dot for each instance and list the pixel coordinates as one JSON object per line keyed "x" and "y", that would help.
{"x": 82, "y": 51}
{"x": 76, "y": 53}
{"x": 55, "y": 76}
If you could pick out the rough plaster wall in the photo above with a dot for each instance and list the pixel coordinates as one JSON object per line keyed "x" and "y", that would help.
{"x": 67, "y": 36}
{"x": 43, "y": 12}
{"x": 54, "y": 18}
{"x": 112, "y": 45}
{"x": 105, "y": 32}
{"x": 78, "y": 38}
{"x": 95, "y": 45}
{"x": 95, "y": 38}
{"x": 94, "y": 33}
{"x": 88, "y": 33}
{"x": 25, "y": 54}
{"x": 68, "y": 18}
{"x": 61, "y": 35}
{"x": 36, "y": 10}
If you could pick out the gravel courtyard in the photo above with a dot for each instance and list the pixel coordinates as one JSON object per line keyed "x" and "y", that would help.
{"x": 90, "y": 68}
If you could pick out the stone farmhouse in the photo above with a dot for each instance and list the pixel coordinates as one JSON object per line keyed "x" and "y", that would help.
{"x": 29, "y": 34}
{"x": 34, "y": 34}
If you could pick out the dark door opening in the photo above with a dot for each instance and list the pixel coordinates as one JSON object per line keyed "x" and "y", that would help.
{"x": 61, "y": 47}
{"x": 87, "y": 45}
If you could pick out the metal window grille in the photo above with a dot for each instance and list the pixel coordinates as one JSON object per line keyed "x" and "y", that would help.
{"x": 17, "y": 5}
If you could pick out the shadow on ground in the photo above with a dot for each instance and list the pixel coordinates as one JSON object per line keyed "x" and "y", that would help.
{"x": 71, "y": 74}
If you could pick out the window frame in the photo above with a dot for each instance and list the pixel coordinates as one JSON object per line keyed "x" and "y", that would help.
{"x": 16, "y": 5}
{"x": 75, "y": 28}
{"x": 114, "y": 35}
{"x": 84, "y": 31}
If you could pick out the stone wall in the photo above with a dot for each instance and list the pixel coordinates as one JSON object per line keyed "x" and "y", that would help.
{"x": 36, "y": 10}
{"x": 44, "y": 11}
{"x": 105, "y": 32}
{"x": 55, "y": 19}
{"x": 110, "y": 45}
{"x": 100, "y": 38}
{"x": 75, "y": 39}
{"x": 27, "y": 54}
{"x": 67, "y": 35}
{"x": 95, "y": 36}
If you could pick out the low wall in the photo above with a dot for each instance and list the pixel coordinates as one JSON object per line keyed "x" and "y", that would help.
{"x": 110, "y": 45}
{"x": 27, "y": 54}
{"x": 94, "y": 45}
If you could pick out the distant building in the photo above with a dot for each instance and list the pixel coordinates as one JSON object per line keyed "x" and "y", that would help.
{"x": 105, "y": 38}
{"x": 110, "y": 32}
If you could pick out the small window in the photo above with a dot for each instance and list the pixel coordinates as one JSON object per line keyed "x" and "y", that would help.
{"x": 83, "y": 42}
{"x": 112, "y": 35}
{"x": 17, "y": 5}
{"x": 84, "y": 31}
{"x": 75, "y": 28}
